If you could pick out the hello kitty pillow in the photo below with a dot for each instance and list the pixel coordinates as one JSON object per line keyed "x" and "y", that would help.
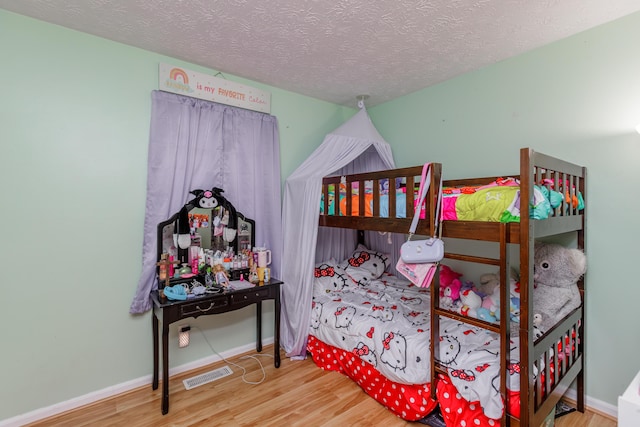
{"x": 329, "y": 277}
{"x": 365, "y": 265}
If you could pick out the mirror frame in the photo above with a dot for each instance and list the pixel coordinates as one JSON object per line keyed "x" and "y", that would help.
{"x": 183, "y": 254}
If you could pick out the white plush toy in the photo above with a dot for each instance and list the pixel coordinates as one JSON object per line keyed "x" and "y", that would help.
{"x": 555, "y": 274}
{"x": 471, "y": 302}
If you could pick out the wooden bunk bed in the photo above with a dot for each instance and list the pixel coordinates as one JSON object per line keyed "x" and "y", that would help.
{"x": 542, "y": 384}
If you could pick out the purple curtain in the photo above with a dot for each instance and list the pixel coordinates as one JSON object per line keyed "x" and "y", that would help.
{"x": 196, "y": 144}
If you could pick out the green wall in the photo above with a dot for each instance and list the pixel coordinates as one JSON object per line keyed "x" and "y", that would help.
{"x": 74, "y": 132}
{"x": 578, "y": 99}
{"x": 74, "y": 118}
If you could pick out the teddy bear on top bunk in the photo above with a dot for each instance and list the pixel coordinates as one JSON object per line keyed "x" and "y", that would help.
{"x": 556, "y": 273}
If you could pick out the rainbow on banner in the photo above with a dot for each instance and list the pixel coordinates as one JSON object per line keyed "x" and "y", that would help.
{"x": 176, "y": 73}
{"x": 178, "y": 80}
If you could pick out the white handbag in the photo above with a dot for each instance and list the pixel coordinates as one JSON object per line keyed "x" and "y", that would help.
{"x": 428, "y": 250}
{"x": 421, "y": 251}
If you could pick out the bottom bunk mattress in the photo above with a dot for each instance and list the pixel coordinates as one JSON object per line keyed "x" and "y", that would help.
{"x": 385, "y": 322}
{"x": 376, "y": 328}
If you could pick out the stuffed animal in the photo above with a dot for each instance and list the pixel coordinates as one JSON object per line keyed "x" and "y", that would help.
{"x": 447, "y": 275}
{"x": 489, "y": 282}
{"x": 488, "y": 289}
{"x": 208, "y": 199}
{"x": 471, "y": 302}
{"x": 181, "y": 229}
{"x": 451, "y": 294}
{"x": 514, "y": 309}
{"x": 449, "y": 287}
{"x": 486, "y": 315}
{"x": 537, "y": 319}
{"x": 492, "y": 301}
{"x": 555, "y": 274}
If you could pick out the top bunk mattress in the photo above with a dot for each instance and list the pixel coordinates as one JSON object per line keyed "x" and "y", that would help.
{"x": 472, "y": 208}
{"x": 496, "y": 201}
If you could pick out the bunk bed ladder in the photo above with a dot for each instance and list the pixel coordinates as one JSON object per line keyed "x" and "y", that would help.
{"x": 503, "y": 329}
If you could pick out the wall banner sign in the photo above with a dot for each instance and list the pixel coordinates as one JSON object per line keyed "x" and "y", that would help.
{"x": 203, "y": 86}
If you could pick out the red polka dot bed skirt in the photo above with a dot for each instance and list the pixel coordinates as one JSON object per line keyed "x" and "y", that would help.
{"x": 408, "y": 401}
{"x": 456, "y": 411}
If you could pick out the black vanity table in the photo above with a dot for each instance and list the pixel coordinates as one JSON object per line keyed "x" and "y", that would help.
{"x": 169, "y": 311}
{"x": 208, "y": 222}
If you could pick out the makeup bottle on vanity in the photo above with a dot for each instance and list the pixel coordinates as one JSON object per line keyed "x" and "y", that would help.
{"x": 162, "y": 271}
{"x": 171, "y": 268}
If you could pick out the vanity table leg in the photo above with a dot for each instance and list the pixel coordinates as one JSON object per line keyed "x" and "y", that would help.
{"x": 165, "y": 366}
{"x": 276, "y": 332}
{"x": 259, "y": 326}
{"x": 154, "y": 328}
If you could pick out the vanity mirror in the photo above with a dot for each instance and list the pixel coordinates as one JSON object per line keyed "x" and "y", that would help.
{"x": 208, "y": 222}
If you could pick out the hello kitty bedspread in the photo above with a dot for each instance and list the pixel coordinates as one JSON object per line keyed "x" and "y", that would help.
{"x": 387, "y": 324}
{"x": 472, "y": 358}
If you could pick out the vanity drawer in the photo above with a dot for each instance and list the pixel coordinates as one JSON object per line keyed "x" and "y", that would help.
{"x": 203, "y": 307}
{"x": 251, "y": 296}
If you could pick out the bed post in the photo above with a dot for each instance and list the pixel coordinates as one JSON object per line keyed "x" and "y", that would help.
{"x": 580, "y": 386}
{"x": 527, "y": 407}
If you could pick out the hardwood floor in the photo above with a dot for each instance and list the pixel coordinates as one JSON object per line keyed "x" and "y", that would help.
{"x": 297, "y": 394}
{"x": 588, "y": 419}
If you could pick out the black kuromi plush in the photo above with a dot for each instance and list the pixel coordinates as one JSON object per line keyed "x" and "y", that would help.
{"x": 206, "y": 199}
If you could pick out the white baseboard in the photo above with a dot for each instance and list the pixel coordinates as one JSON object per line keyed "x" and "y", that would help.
{"x": 105, "y": 393}
{"x": 595, "y": 404}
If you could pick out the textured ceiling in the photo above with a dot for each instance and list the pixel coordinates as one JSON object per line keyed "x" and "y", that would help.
{"x": 333, "y": 49}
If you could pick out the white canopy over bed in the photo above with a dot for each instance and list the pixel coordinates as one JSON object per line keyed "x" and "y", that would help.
{"x": 354, "y": 147}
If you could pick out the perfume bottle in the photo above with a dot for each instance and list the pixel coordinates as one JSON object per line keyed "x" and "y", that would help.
{"x": 171, "y": 271}
{"x": 162, "y": 271}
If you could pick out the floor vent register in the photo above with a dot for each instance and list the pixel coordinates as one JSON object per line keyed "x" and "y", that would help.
{"x": 207, "y": 377}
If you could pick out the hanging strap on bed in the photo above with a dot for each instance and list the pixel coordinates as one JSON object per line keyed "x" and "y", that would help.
{"x": 425, "y": 182}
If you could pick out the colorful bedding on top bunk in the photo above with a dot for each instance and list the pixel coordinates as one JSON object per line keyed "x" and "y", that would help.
{"x": 375, "y": 328}
{"x": 401, "y": 204}
{"x": 498, "y": 201}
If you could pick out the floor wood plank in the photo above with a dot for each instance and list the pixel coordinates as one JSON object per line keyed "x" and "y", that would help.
{"x": 297, "y": 394}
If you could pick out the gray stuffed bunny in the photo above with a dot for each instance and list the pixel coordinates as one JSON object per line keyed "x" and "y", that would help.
{"x": 555, "y": 274}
